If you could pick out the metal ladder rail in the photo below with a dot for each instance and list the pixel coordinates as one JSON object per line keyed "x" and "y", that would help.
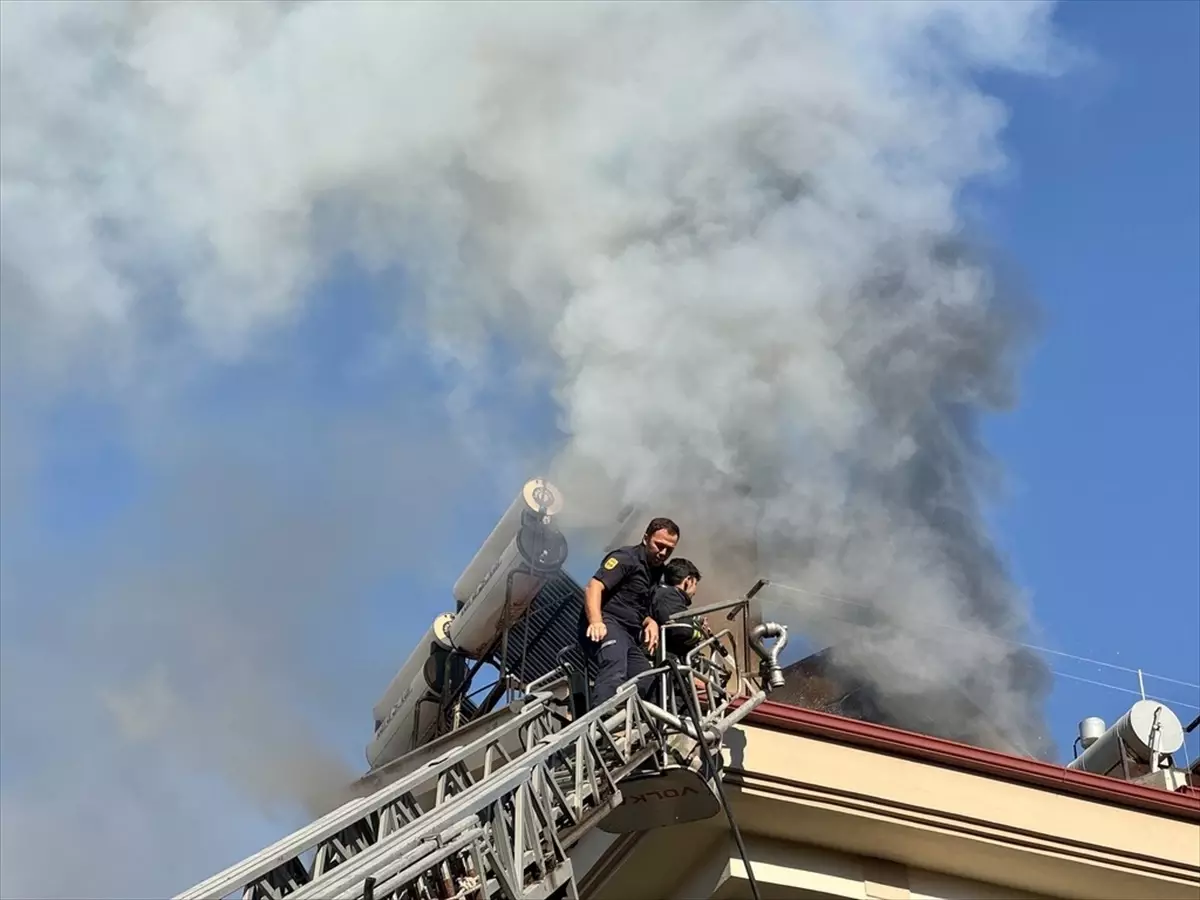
{"x": 473, "y": 880}
{"x": 519, "y": 818}
{"x": 487, "y": 799}
{"x": 277, "y": 871}
{"x": 286, "y": 852}
{"x": 628, "y": 728}
{"x": 500, "y": 833}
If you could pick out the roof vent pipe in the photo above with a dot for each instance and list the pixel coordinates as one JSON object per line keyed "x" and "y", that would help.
{"x": 772, "y": 671}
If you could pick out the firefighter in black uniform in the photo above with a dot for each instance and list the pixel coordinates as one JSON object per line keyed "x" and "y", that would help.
{"x": 680, "y": 580}
{"x": 618, "y": 627}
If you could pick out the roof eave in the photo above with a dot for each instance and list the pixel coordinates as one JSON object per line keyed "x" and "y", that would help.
{"x": 950, "y": 754}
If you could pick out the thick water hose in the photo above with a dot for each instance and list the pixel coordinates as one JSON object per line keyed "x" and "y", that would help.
{"x": 712, "y": 770}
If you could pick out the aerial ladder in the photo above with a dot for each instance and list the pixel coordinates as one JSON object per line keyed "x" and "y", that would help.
{"x": 496, "y": 816}
{"x": 493, "y": 808}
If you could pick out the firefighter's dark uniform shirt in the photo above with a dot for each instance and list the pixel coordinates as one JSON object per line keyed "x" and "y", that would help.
{"x": 669, "y": 600}
{"x": 629, "y": 581}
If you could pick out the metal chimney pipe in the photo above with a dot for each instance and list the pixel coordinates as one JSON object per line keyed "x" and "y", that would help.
{"x": 770, "y": 658}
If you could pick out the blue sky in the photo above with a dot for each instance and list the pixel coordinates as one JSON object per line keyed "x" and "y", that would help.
{"x": 1103, "y": 518}
{"x": 348, "y": 452}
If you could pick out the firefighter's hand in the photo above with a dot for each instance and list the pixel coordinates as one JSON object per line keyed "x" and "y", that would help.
{"x": 650, "y": 635}
{"x": 596, "y": 631}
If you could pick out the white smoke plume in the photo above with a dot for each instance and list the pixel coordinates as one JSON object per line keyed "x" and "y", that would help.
{"x": 729, "y": 232}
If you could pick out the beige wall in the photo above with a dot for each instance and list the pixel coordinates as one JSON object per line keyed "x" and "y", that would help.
{"x": 827, "y": 820}
{"x": 783, "y": 871}
{"x": 790, "y": 871}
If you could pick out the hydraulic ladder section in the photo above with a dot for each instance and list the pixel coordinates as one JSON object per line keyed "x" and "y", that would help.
{"x": 480, "y": 821}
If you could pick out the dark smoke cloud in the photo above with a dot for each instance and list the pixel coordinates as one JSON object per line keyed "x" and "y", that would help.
{"x": 727, "y": 234}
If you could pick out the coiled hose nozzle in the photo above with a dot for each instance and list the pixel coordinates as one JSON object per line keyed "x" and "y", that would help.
{"x": 772, "y": 672}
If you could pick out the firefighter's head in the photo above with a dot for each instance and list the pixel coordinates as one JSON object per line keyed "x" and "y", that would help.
{"x": 659, "y": 540}
{"x": 683, "y": 574}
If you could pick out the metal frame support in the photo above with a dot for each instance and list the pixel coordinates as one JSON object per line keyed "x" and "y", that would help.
{"x": 497, "y": 815}
{"x": 481, "y": 821}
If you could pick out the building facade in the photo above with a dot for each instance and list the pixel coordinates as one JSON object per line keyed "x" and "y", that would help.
{"x": 831, "y": 807}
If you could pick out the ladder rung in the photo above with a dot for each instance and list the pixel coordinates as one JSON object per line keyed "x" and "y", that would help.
{"x": 510, "y": 829}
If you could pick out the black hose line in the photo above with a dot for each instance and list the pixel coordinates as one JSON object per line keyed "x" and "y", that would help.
{"x": 712, "y": 769}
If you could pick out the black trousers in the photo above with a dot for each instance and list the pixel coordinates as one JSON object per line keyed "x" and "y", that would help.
{"x": 618, "y": 657}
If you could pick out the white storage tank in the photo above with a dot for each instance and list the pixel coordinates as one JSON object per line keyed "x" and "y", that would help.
{"x": 1147, "y": 728}
{"x": 520, "y": 554}
{"x": 406, "y": 715}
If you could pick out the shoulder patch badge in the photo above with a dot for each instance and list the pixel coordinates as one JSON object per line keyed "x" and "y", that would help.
{"x": 610, "y": 563}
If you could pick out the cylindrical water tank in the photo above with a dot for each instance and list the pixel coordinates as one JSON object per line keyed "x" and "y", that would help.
{"x": 537, "y": 495}
{"x": 414, "y": 668}
{"x": 406, "y": 715}
{"x": 411, "y": 723}
{"x": 512, "y": 584}
{"x": 1136, "y": 730}
{"x": 524, "y": 550}
{"x": 1091, "y": 730}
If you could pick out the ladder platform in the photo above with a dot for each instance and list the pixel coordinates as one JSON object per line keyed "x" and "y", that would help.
{"x": 649, "y": 800}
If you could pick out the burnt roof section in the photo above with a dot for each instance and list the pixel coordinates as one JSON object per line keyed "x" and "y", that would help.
{"x": 820, "y": 682}
{"x": 828, "y": 682}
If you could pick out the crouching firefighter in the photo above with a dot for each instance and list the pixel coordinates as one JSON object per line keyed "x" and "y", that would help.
{"x": 680, "y": 581}
{"x": 618, "y": 629}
